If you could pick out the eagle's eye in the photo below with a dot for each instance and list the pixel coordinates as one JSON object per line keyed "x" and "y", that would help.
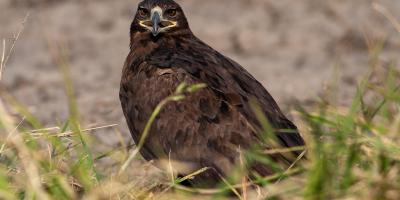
{"x": 143, "y": 12}
{"x": 171, "y": 12}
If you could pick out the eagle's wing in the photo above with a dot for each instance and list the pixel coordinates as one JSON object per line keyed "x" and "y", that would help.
{"x": 231, "y": 83}
{"x": 202, "y": 130}
{"x": 208, "y": 128}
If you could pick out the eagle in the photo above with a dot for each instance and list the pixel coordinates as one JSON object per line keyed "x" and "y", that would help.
{"x": 211, "y": 128}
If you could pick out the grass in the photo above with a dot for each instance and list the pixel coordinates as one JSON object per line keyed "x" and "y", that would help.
{"x": 353, "y": 152}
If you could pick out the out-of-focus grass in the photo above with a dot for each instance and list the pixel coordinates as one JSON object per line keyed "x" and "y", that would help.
{"x": 352, "y": 152}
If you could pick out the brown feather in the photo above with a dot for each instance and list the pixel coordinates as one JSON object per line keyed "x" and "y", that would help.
{"x": 208, "y": 127}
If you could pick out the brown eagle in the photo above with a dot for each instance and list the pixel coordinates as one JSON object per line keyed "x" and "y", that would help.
{"x": 208, "y": 127}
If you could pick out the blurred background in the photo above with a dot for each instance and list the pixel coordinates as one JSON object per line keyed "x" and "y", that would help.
{"x": 294, "y": 48}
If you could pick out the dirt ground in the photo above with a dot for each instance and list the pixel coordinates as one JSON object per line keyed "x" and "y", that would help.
{"x": 293, "y": 47}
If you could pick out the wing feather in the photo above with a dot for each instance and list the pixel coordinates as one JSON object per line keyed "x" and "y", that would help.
{"x": 207, "y": 128}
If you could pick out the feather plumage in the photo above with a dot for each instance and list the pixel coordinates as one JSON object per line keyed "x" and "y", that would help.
{"x": 207, "y": 128}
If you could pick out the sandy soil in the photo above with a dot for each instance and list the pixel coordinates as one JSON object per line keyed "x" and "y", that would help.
{"x": 292, "y": 47}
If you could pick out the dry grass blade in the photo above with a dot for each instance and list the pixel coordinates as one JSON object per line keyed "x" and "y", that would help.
{"x": 232, "y": 187}
{"x": 244, "y": 176}
{"x": 67, "y": 134}
{"x": 9, "y": 135}
{"x": 187, "y": 177}
{"x": 5, "y": 57}
{"x": 285, "y": 150}
{"x": 56, "y": 128}
{"x": 190, "y": 176}
{"x": 385, "y": 12}
{"x": 171, "y": 169}
{"x": 293, "y": 164}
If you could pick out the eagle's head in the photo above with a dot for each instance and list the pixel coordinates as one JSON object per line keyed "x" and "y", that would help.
{"x": 159, "y": 17}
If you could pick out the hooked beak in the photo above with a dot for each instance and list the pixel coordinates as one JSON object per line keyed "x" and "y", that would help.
{"x": 155, "y": 19}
